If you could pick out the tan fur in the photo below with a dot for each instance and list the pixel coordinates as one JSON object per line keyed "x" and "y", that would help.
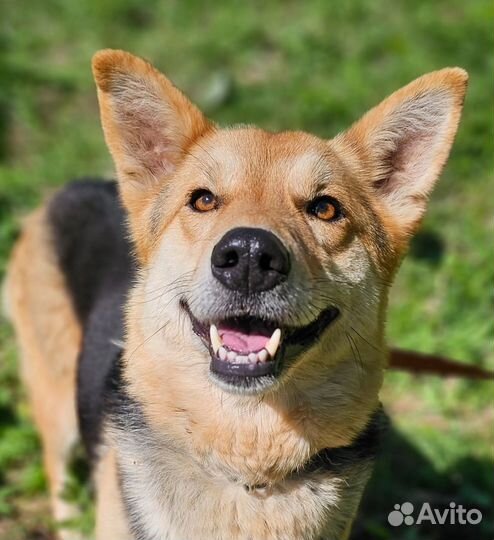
{"x": 49, "y": 337}
{"x": 111, "y": 521}
{"x": 381, "y": 170}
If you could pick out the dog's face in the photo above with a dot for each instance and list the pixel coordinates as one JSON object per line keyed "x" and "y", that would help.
{"x": 272, "y": 249}
{"x": 264, "y": 253}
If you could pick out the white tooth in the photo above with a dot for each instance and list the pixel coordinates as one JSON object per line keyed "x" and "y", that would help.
{"x": 222, "y": 353}
{"x": 252, "y": 357}
{"x": 263, "y": 355}
{"x": 216, "y": 342}
{"x": 242, "y": 359}
{"x": 231, "y": 356}
{"x": 274, "y": 343}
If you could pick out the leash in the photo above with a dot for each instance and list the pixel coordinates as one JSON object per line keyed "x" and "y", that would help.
{"x": 430, "y": 364}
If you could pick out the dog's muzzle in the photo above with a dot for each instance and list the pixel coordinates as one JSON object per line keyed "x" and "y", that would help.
{"x": 249, "y": 345}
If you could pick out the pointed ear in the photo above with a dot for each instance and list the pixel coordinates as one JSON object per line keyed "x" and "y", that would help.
{"x": 404, "y": 142}
{"x": 148, "y": 123}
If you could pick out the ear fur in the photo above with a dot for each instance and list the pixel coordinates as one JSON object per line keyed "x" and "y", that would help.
{"x": 148, "y": 123}
{"x": 404, "y": 142}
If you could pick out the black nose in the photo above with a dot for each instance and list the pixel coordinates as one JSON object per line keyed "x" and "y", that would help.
{"x": 250, "y": 260}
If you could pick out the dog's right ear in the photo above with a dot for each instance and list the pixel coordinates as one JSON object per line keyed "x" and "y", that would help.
{"x": 148, "y": 124}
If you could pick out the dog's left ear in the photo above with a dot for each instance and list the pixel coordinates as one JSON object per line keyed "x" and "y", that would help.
{"x": 148, "y": 124}
{"x": 403, "y": 143}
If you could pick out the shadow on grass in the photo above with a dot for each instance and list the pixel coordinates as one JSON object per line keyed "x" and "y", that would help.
{"x": 428, "y": 246}
{"x": 403, "y": 474}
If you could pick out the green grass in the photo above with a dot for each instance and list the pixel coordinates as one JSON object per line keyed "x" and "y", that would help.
{"x": 314, "y": 65}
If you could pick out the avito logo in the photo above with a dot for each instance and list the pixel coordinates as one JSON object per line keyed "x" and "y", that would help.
{"x": 454, "y": 514}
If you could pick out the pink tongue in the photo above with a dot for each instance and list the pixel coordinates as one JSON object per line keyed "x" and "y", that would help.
{"x": 243, "y": 343}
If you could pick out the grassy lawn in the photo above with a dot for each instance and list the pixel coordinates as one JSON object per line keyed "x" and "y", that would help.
{"x": 313, "y": 65}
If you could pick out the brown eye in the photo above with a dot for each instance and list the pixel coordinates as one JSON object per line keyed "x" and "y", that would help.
{"x": 202, "y": 200}
{"x": 325, "y": 208}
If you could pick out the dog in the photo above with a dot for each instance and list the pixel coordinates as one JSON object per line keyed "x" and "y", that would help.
{"x": 212, "y": 326}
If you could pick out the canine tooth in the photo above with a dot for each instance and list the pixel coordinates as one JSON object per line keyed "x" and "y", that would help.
{"x": 263, "y": 355}
{"x": 216, "y": 342}
{"x": 273, "y": 343}
{"x": 252, "y": 357}
{"x": 222, "y": 353}
{"x": 231, "y": 356}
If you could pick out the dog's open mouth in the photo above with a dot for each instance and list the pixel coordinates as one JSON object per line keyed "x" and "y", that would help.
{"x": 249, "y": 352}
{"x": 245, "y": 347}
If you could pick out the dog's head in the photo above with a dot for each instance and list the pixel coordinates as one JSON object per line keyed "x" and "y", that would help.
{"x": 264, "y": 252}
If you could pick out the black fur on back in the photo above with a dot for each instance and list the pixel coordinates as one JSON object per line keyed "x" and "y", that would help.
{"x": 90, "y": 238}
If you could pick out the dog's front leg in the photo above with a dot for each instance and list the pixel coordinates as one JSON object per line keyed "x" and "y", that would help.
{"x": 111, "y": 521}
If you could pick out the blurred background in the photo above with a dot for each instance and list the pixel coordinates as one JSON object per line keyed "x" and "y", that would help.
{"x": 314, "y": 65}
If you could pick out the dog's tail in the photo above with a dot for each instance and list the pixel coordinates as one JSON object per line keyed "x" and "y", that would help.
{"x": 415, "y": 362}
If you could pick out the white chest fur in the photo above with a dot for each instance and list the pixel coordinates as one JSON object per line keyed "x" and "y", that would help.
{"x": 168, "y": 496}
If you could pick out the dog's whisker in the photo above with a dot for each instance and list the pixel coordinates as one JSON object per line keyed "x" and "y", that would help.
{"x": 377, "y": 349}
{"x": 160, "y": 329}
{"x": 186, "y": 276}
{"x": 355, "y": 353}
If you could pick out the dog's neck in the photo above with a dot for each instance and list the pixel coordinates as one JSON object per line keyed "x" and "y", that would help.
{"x": 364, "y": 447}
